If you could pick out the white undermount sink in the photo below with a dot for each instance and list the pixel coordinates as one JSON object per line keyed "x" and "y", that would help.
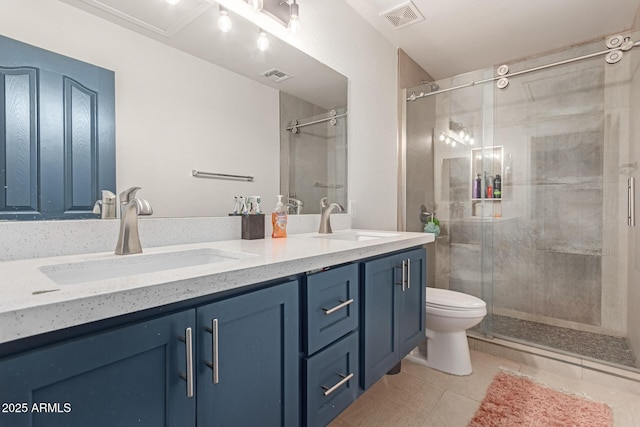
{"x": 356, "y": 236}
{"x": 129, "y": 265}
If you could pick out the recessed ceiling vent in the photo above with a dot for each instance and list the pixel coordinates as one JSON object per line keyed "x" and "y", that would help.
{"x": 276, "y": 75}
{"x": 403, "y": 15}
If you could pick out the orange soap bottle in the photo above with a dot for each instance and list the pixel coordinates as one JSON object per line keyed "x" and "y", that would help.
{"x": 279, "y": 219}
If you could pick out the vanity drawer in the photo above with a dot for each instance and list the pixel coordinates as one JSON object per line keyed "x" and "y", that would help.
{"x": 331, "y": 306}
{"x": 331, "y": 381}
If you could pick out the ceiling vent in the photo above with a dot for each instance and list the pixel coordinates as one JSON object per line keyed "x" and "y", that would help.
{"x": 276, "y": 75}
{"x": 403, "y": 15}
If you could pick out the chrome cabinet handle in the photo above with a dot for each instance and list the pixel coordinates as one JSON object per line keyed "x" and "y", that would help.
{"x": 408, "y": 273}
{"x": 342, "y": 304}
{"x": 216, "y": 376}
{"x": 213, "y": 330}
{"x": 187, "y": 339}
{"x": 329, "y": 390}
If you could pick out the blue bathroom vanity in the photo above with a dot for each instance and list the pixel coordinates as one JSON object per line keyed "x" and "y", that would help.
{"x": 289, "y": 332}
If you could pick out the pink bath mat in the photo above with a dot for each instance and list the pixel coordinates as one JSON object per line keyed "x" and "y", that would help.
{"x": 513, "y": 400}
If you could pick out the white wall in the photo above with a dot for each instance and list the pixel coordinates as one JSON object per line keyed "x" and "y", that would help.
{"x": 174, "y": 112}
{"x": 336, "y": 35}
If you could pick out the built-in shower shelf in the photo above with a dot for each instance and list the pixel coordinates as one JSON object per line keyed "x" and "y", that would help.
{"x": 486, "y": 200}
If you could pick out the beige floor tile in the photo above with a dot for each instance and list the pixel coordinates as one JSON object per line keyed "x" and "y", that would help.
{"x": 372, "y": 411}
{"x": 339, "y": 423}
{"x": 408, "y": 390}
{"x": 475, "y": 385}
{"x": 452, "y": 410}
{"x": 612, "y": 381}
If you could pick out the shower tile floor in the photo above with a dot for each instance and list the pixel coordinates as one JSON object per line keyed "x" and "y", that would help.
{"x": 596, "y": 346}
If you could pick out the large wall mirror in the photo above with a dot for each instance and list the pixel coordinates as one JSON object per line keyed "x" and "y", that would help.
{"x": 191, "y": 97}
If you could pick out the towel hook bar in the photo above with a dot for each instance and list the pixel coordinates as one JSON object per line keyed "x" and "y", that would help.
{"x": 200, "y": 174}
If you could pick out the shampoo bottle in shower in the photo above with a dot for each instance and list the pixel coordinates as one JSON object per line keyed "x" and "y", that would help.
{"x": 497, "y": 187}
{"x": 279, "y": 219}
{"x": 477, "y": 187}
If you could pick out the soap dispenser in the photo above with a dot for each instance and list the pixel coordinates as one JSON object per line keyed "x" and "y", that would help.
{"x": 279, "y": 219}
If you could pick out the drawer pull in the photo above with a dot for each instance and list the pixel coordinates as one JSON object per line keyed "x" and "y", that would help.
{"x": 187, "y": 339}
{"x": 408, "y": 273}
{"x": 213, "y": 330}
{"x": 329, "y": 390}
{"x": 342, "y": 304}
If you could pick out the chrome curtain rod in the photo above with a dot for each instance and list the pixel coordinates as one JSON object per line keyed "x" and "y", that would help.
{"x": 296, "y": 125}
{"x": 413, "y": 97}
{"x": 200, "y": 174}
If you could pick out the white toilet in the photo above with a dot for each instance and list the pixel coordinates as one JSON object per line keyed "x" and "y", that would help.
{"x": 449, "y": 315}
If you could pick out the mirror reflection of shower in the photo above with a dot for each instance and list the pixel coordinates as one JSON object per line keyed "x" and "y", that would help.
{"x": 313, "y": 154}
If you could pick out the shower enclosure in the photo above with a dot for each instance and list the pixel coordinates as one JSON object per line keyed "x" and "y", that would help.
{"x": 530, "y": 170}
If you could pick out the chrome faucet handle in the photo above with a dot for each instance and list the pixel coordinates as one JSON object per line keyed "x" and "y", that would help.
{"x": 129, "y": 194}
{"x": 324, "y": 202}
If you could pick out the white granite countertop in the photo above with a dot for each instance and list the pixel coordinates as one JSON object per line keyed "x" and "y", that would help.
{"x": 32, "y": 303}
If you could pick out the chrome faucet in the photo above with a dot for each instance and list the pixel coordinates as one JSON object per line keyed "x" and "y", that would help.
{"x": 128, "y": 237}
{"x": 325, "y": 223}
{"x": 294, "y": 206}
{"x": 106, "y": 206}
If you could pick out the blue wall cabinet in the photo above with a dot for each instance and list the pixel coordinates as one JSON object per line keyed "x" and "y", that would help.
{"x": 57, "y": 133}
{"x": 130, "y": 376}
{"x": 248, "y": 359}
{"x": 393, "y": 315}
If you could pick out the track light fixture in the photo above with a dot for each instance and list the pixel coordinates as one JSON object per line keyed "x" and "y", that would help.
{"x": 294, "y": 18}
{"x": 224, "y": 22}
{"x": 257, "y": 5}
{"x": 458, "y": 134}
{"x": 263, "y": 41}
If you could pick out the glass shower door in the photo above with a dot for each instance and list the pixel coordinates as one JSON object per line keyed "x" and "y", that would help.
{"x": 560, "y": 269}
{"x": 445, "y": 134}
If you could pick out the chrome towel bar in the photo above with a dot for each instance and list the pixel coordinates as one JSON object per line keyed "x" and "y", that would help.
{"x": 200, "y": 174}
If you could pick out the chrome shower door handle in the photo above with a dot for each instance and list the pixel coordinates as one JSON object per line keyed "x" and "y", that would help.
{"x": 631, "y": 202}
{"x": 187, "y": 339}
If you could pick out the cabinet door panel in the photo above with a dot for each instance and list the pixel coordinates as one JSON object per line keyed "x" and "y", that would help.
{"x": 411, "y": 303}
{"x": 325, "y": 291}
{"x": 127, "y": 376}
{"x": 379, "y": 327}
{"x": 258, "y": 359}
{"x": 329, "y": 369}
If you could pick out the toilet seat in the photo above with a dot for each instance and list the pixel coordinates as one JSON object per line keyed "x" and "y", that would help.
{"x": 445, "y": 299}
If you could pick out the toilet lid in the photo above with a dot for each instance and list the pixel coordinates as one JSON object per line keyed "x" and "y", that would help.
{"x": 458, "y": 300}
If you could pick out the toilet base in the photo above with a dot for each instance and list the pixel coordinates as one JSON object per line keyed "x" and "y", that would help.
{"x": 445, "y": 351}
